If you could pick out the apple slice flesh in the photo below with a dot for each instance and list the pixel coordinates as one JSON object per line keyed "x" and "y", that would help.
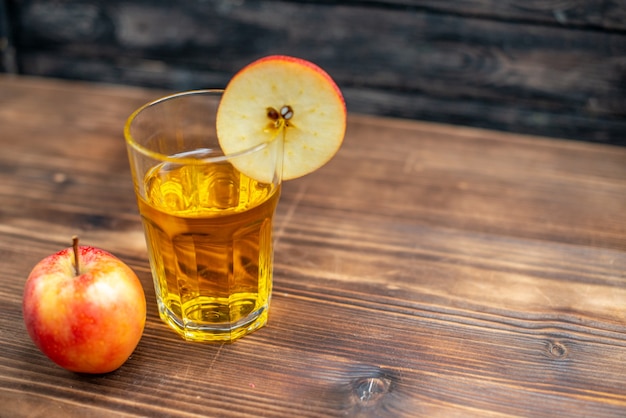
{"x": 284, "y": 98}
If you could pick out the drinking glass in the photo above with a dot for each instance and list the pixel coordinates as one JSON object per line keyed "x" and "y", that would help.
{"x": 208, "y": 225}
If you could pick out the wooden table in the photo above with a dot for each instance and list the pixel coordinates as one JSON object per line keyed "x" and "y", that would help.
{"x": 427, "y": 270}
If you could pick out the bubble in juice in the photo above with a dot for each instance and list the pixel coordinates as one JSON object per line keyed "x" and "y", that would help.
{"x": 209, "y": 234}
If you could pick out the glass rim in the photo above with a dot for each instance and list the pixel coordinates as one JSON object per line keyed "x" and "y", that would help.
{"x": 130, "y": 140}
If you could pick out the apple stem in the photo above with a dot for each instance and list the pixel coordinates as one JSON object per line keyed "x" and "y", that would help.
{"x": 75, "y": 248}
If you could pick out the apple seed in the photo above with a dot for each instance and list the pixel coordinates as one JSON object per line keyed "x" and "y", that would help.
{"x": 272, "y": 114}
{"x": 281, "y": 120}
{"x": 286, "y": 112}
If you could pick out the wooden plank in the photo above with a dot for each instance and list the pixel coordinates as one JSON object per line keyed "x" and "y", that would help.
{"x": 591, "y": 14}
{"x": 441, "y": 56}
{"x": 510, "y": 75}
{"x": 7, "y": 50}
{"x": 427, "y": 270}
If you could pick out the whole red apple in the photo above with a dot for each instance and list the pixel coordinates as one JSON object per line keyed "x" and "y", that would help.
{"x": 85, "y": 309}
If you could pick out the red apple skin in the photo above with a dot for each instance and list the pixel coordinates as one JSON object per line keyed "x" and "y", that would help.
{"x": 305, "y": 63}
{"x": 86, "y": 323}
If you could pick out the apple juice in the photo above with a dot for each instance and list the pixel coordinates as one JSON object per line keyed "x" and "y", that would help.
{"x": 209, "y": 235}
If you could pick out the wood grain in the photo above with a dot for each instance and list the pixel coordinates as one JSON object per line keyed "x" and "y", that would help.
{"x": 569, "y": 13}
{"x": 551, "y": 68}
{"x": 427, "y": 270}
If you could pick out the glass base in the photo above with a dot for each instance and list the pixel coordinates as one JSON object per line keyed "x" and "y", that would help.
{"x": 214, "y": 331}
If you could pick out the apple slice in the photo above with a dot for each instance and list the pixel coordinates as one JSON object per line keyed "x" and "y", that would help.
{"x": 282, "y": 97}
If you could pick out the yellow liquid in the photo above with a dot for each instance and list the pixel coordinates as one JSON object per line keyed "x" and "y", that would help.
{"x": 209, "y": 234}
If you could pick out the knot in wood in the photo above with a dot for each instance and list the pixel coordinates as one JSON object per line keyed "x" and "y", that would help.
{"x": 557, "y": 350}
{"x": 59, "y": 178}
{"x": 369, "y": 390}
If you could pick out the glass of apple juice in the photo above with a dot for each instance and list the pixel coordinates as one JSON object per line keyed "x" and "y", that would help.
{"x": 208, "y": 226}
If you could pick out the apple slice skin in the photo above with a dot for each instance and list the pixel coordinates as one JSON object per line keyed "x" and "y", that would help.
{"x": 316, "y": 131}
{"x": 90, "y": 323}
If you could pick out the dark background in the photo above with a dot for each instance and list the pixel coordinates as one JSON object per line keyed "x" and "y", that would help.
{"x": 546, "y": 67}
